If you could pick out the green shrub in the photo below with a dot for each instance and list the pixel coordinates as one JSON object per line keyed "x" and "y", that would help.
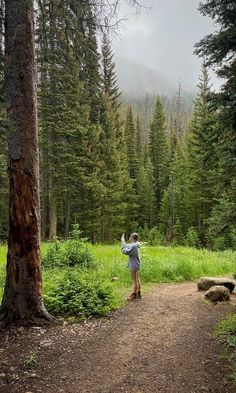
{"x": 74, "y": 294}
{"x": 221, "y": 231}
{"x": 226, "y": 326}
{"x": 192, "y": 239}
{"x": 155, "y": 238}
{"x": 144, "y": 233}
{"x": 178, "y": 233}
{"x": 226, "y": 332}
{"x": 73, "y": 252}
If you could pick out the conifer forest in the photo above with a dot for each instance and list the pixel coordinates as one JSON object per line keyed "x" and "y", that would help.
{"x": 161, "y": 165}
{"x": 117, "y": 196}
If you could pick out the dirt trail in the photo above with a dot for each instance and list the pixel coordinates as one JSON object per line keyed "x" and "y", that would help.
{"x": 162, "y": 343}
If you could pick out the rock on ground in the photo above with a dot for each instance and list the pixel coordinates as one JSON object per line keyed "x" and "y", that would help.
{"x": 206, "y": 283}
{"x": 218, "y": 293}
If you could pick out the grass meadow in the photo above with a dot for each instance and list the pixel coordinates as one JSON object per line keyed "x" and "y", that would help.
{"x": 159, "y": 265}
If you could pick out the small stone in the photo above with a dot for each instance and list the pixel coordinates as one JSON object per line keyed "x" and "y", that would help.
{"x": 32, "y": 375}
{"x": 2, "y": 375}
{"x": 20, "y": 329}
{"x": 46, "y": 343}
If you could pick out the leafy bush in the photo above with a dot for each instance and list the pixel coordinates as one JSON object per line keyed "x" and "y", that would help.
{"x": 226, "y": 332}
{"x": 192, "y": 239}
{"x": 72, "y": 293}
{"x": 73, "y": 252}
{"x": 178, "y": 233}
{"x": 155, "y": 238}
{"x": 144, "y": 233}
{"x": 221, "y": 231}
{"x": 226, "y": 326}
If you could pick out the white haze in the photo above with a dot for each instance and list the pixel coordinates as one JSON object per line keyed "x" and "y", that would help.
{"x": 154, "y": 50}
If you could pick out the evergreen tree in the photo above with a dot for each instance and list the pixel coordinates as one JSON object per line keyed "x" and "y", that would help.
{"x": 202, "y": 159}
{"x": 218, "y": 50}
{"x": 130, "y": 137}
{"x": 89, "y": 65}
{"x": 69, "y": 117}
{"x": 159, "y": 154}
{"x": 140, "y": 147}
{"x": 173, "y": 213}
{"x": 22, "y": 299}
{"x": 109, "y": 80}
{"x": 3, "y": 138}
{"x": 146, "y": 195}
{"x": 114, "y": 173}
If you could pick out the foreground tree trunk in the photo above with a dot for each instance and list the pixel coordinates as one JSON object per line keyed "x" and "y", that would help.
{"x": 22, "y": 300}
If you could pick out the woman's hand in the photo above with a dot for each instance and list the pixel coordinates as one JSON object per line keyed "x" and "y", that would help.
{"x": 123, "y": 238}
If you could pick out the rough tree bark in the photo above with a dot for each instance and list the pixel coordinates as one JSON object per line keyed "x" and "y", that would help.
{"x": 22, "y": 300}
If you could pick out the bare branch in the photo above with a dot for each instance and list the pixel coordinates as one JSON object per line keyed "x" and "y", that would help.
{"x": 106, "y": 12}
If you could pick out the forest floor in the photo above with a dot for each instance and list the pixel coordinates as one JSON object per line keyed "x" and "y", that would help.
{"x": 162, "y": 343}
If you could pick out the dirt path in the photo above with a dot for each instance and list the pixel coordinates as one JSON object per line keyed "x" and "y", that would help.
{"x": 162, "y": 343}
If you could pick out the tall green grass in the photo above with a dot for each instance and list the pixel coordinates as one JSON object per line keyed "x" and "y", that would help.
{"x": 165, "y": 264}
{"x": 159, "y": 265}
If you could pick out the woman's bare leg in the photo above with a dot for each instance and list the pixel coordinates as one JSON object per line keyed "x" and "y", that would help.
{"x": 138, "y": 282}
{"x": 135, "y": 282}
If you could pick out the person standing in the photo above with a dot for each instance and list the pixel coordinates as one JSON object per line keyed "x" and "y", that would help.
{"x": 134, "y": 263}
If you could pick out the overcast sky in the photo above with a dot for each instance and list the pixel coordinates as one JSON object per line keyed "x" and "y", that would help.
{"x": 164, "y": 38}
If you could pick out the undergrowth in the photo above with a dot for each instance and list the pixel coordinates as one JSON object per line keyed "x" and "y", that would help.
{"x": 225, "y": 330}
{"x": 78, "y": 277}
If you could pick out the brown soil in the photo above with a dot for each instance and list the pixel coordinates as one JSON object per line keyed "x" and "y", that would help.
{"x": 162, "y": 343}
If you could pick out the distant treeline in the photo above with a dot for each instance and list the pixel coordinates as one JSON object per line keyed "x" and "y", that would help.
{"x": 166, "y": 169}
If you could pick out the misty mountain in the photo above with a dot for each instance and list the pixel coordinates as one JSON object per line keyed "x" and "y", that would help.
{"x": 137, "y": 79}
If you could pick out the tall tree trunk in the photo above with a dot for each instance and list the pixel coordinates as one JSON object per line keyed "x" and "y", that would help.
{"x": 1, "y": 24}
{"x": 22, "y": 298}
{"x": 45, "y": 203}
{"x": 67, "y": 215}
{"x": 53, "y": 217}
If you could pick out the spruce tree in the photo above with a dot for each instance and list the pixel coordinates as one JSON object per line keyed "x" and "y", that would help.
{"x": 109, "y": 81}
{"x": 202, "y": 158}
{"x": 22, "y": 299}
{"x": 140, "y": 146}
{"x": 159, "y": 154}
{"x": 218, "y": 51}
{"x": 69, "y": 117}
{"x": 130, "y": 137}
{"x": 3, "y": 138}
{"x": 114, "y": 173}
{"x": 146, "y": 195}
{"x": 173, "y": 212}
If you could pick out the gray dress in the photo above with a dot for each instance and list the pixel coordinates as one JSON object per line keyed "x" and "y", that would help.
{"x": 132, "y": 250}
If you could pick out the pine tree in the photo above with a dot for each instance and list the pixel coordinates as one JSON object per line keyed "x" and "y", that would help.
{"x": 114, "y": 173}
{"x": 218, "y": 50}
{"x": 69, "y": 117}
{"x": 159, "y": 154}
{"x": 3, "y": 138}
{"x": 173, "y": 213}
{"x": 202, "y": 159}
{"x": 130, "y": 137}
{"x": 109, "y": 82}
{"x": 140, "y": 146}
{"x": 89, "y": 67}
{"x": 22, "y": 299}
{"x": 146, "y": 195}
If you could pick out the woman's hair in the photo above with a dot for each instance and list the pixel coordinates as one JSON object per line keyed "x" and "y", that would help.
{"x": 134, "y": 236}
